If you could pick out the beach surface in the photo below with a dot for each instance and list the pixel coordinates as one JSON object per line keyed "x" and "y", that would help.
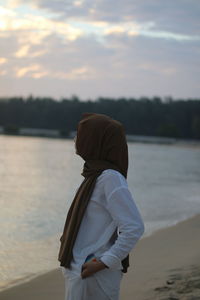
{"x": 165, "y": 265}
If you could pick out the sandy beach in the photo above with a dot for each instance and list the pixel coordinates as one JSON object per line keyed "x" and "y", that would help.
{"x": 165, "y": 265}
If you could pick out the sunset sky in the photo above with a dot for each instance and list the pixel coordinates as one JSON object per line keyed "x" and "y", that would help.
{"x": 93, "y": 48}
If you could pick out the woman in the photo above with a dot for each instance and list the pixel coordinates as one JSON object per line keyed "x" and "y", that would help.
{"x": 103, "y": 223}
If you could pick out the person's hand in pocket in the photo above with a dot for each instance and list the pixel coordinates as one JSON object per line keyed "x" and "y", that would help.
{"x": 92, "y": 267}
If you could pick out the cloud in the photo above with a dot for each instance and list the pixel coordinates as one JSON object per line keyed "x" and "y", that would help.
{"x": 23, "y": 51}
{"x": 3, "y": 60}
{"x": 81, "y": 47}
{"x": 123, "y": 65}
{"x": 6, "y": 12}
{"x": 181, "y": 17}
{"x": 20, "y": 72}
{"x": 37, "y": 26}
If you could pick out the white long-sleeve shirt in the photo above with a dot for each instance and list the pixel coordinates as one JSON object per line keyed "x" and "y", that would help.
{"x": 111, "y": 207}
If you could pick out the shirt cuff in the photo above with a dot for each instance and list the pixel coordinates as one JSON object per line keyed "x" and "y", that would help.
{"x": 112, "y": 262}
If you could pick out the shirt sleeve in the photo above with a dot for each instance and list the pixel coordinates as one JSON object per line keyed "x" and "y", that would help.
{"x": 123, "y": 210}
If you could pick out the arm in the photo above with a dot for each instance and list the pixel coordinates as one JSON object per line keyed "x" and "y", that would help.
{"x": 125, "y": 213}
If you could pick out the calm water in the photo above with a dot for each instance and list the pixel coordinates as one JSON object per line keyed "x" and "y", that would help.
{"x": 38, "y": 179}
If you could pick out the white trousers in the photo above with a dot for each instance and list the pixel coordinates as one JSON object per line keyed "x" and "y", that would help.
{"x": 89, "y": 288}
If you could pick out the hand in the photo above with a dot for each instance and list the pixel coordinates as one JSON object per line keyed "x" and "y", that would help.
{"x": 91, "y": 267}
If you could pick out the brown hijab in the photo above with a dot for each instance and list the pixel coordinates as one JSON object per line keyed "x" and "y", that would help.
{"x": 101, "y": 142}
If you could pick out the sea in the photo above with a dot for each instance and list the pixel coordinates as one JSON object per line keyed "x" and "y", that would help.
{"x": 38, "y": 180}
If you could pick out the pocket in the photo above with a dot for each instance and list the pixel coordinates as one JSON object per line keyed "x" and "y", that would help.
{"x": 70, "y": 275}
{"x": 91, "y": 257}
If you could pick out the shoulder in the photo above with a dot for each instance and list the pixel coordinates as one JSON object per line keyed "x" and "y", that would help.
{"x": 111, "y": 176}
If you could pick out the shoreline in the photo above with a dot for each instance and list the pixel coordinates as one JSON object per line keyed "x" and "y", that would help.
{"x": 164, "y": 254}
{"x": 143, "y": 139}
{"x": 22, "y": 280}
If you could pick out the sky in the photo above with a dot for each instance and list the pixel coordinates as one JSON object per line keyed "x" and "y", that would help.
{"x": 100, "y": 48}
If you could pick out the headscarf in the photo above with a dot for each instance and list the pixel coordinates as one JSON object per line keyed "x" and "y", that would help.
{"x": 101, "y": 142}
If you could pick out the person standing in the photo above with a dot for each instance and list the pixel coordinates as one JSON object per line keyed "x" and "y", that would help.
{"x": 103, "y": 223}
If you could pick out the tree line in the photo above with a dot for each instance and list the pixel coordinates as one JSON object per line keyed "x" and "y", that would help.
{"x": 178, "y": 118}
